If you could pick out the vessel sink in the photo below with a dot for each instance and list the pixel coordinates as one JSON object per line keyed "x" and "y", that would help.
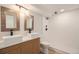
{"x": 33, "y": 35}
{"x": 12, "y": 39}
{"x": 30, "y": 36}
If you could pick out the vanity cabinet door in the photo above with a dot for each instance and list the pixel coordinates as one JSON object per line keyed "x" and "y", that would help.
{"x": 36, "y": 46}
{"x": 32, "y": 46}
{"x": 11, "y": 50}
{"x": 26, "y": 47}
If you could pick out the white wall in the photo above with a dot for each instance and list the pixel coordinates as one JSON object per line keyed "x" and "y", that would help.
{"x": 37, "y": 23}
{"x": 63, "y": 31}
{"x": 45, "y": 36}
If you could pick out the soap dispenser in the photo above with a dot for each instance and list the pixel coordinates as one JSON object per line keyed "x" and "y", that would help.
{"x": 11, "y": 32}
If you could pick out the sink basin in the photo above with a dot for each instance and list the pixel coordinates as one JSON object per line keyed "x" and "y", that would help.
{"x": 34, "y": 35}
{"x": 30, "y": 36}
{"x": 15, "y": 39}
{"x": 12, "y": 39}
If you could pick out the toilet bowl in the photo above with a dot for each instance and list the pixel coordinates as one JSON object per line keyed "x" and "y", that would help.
{"x": 44, "y": 47}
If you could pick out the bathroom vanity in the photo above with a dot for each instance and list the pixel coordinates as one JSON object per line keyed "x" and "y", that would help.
{"x": 17, "y": 44}
{"x": 30, "y": 46}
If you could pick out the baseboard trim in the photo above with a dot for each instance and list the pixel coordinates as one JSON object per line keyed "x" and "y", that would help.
{"x": 56, "y": 51}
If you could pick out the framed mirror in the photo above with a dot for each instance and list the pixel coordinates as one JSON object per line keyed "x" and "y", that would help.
{"x": 9, "y": 19}
{"x": 29, "y": 22}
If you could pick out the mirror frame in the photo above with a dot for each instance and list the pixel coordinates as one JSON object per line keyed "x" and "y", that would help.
{"x": 25, "y": 22}
{"x": 5, "y": 11}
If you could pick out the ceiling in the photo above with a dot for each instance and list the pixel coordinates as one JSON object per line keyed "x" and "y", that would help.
{"x": 51, "y": 8}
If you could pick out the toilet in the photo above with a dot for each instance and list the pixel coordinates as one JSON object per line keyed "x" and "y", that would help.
{"x": 44, "y": 47}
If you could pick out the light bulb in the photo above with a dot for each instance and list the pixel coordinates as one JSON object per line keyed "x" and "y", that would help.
{"x": 24, "y": 11}
{"x": 62, "y": 10}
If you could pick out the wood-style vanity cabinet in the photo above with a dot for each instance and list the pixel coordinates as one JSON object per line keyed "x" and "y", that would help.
{"x": 32, "y": 46}
{"x": 10, "y": 50}
{"x": 36, "y": 50}
{"x": 28, "y": 47}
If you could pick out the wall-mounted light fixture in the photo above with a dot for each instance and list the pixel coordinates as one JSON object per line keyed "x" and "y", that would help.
{"x": 23, "y": 10}
{"x": 29, "y": 19}
{"x": 46, "y": 26}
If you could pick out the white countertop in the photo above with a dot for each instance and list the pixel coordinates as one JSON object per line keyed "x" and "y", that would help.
{"x": 11, "y": 36}
{"x": 4, "y": 44}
